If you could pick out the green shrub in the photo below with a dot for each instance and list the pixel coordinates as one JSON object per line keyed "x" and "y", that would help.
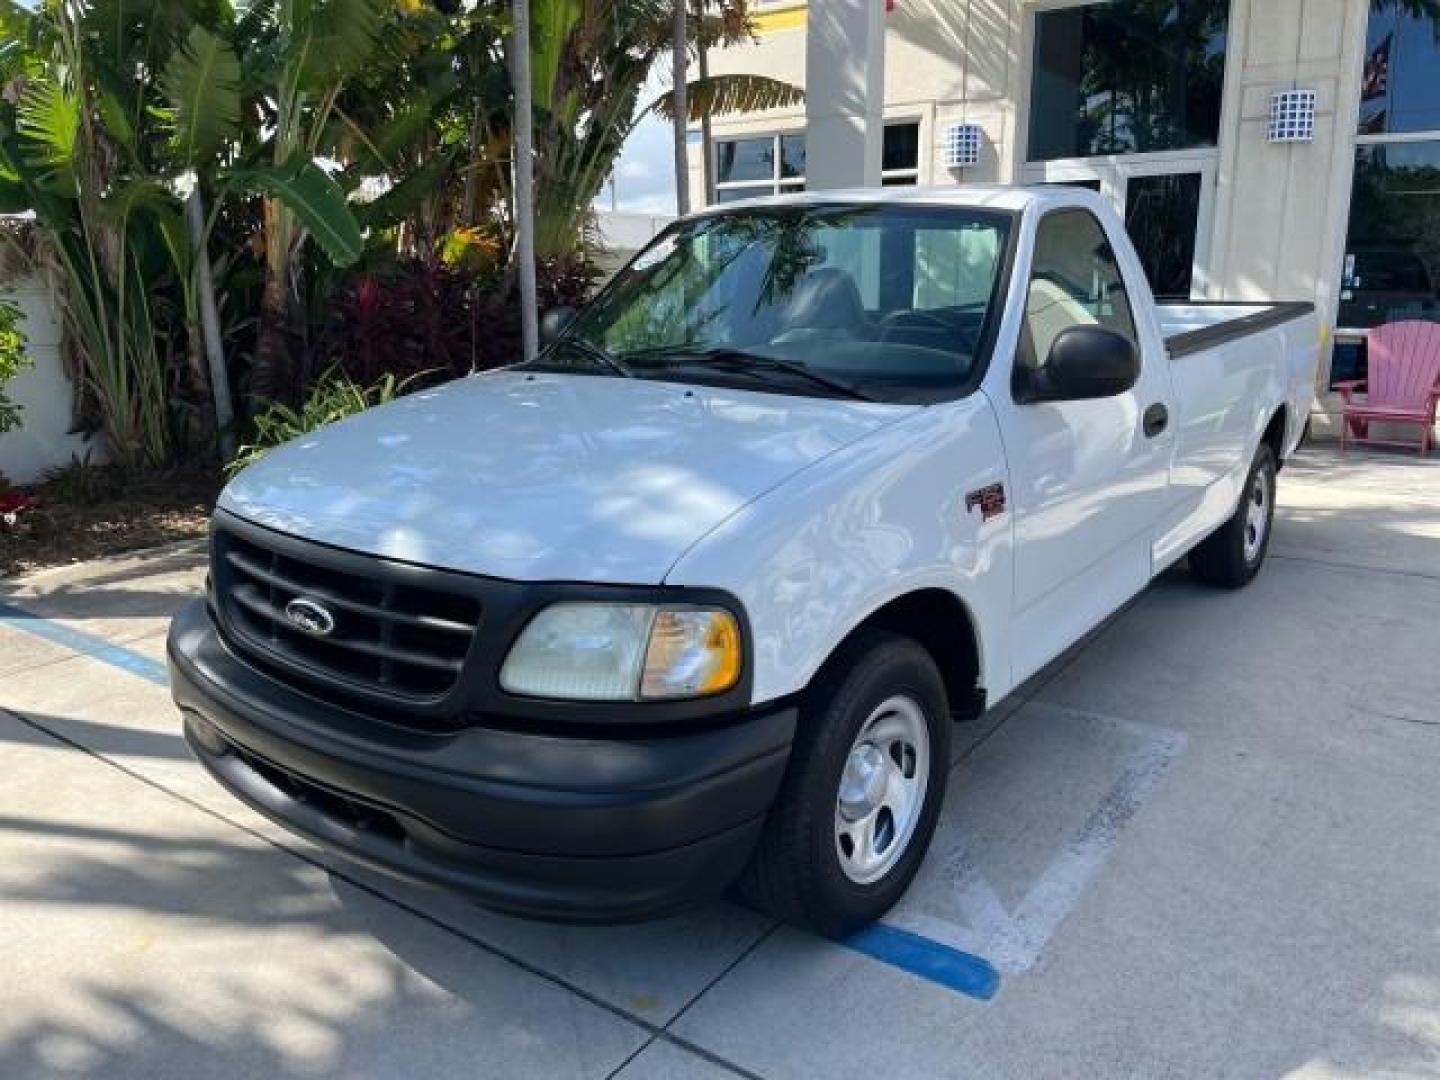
{"x": 13, "y": 360}
{"x": 333, "y": 397}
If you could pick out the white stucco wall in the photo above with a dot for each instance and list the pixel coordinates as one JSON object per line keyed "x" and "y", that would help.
{"x": 42, "y": 440}
{"x": 622, "y": 234}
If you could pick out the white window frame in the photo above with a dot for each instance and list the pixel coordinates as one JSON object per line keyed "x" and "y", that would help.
{"x": 777, "y": 184}
{"x": 1115, "y": 171}
{"x": 910, "y": 173}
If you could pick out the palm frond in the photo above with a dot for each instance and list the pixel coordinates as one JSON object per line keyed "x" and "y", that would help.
{"x": 48, "y": 116}
{"x": 337, "y": 37}
{"x": 720, "y": 95}
{"x": 202, "y": 84}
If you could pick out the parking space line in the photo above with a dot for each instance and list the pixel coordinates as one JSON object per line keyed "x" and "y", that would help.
{"x": 1012, "y": 940}
{"x": 83, "y": 642}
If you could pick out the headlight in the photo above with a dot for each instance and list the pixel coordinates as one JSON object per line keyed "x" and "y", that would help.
{"x": 624, "y": 652}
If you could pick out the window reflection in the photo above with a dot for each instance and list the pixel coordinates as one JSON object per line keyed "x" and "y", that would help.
{"x": 1392, "y": 255}
{"x": 1127, "y": 77}
{"x": 897, "y": 299}
{"x": 1161, "y": 215}
{"x": 1399, "y": 91}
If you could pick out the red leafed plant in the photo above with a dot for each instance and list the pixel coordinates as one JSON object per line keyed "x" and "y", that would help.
{"x": 420, "y": 317}
{"x": 14, "y": 502}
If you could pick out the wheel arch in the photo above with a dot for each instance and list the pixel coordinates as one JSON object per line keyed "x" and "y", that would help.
{"x": 943, "y": 624}
{"x": 1277, "y": 431}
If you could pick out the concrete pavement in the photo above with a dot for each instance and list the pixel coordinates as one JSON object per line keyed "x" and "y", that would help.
{"x": 1205, "y": 844}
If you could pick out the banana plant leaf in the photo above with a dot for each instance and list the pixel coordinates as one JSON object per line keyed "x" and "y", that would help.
{"x": 315, "y": 200}
{"x": 393, "y": 207}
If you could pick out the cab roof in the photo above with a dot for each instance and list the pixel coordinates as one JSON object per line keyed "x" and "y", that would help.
{"x": 1006, "y": 197}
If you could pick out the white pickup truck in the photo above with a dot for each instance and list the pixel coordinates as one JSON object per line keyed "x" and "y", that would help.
{"x": 693, "y": 600}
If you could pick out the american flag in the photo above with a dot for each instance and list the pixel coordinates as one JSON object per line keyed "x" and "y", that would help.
{"x": 1376, "y": 81}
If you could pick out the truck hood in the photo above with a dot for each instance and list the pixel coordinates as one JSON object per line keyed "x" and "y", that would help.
{"x": 536, "y": 476}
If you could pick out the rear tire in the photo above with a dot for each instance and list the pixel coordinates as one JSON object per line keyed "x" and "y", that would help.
{"x": 862, "y": 791}
{"x": 1232, "y": 555}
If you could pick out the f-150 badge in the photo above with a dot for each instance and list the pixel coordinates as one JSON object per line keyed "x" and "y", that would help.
{"x": 990, "y": 500}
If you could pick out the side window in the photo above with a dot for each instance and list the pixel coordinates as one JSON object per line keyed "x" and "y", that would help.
{"x": 1075, "y": 280}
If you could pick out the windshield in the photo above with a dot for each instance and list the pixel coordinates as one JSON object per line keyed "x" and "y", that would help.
{"x": 881, "y": 302}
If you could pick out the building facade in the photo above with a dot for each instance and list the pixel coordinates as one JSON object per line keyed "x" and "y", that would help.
{"x": 1257, "y": 149}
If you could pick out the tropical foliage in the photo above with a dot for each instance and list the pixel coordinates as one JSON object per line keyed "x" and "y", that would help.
{"x": 253, "y": 191}
{"x": 13, "y": 359}
{"x": 334, "y": 397}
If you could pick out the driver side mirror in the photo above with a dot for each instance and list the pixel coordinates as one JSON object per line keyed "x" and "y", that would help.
{"x": 1085, "y": 363}
{"x": 554, "y": 323}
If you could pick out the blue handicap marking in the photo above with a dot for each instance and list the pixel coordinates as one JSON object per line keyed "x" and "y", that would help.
{"x": 91, "y": 645}
{"x": 972, "y": 976}
{"x": 1057, "y": 782}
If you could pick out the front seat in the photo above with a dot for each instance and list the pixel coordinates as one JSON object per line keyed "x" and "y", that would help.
{"x": 826, "y": 305}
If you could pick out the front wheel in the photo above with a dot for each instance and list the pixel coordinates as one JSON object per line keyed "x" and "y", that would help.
{"x": 1231, "y": 556}
{"x": 862, "y": 792}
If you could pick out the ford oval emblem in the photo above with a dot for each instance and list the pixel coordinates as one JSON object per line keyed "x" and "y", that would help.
{"x": 309, "y": 617}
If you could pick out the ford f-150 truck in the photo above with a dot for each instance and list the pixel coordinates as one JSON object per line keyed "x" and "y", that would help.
{"x": 693, "y": 600}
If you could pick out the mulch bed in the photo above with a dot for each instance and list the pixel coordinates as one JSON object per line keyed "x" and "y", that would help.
{"x": 103, "y": 513}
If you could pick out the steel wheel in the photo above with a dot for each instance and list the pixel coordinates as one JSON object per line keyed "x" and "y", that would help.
{"x": 882, "y": 789}
{"x": 1257, "y": 515}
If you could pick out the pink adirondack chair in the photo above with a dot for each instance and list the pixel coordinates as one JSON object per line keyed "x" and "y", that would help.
{"x": 1403, "y": 387}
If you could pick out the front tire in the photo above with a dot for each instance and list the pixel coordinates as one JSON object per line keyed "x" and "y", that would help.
{"x": 1232, "y": 555}
{"x": 862, "y": 792}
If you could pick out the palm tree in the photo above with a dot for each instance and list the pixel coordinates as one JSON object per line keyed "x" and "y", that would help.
{"x": 679, "y": 109}
{"x": 524, "y": 181}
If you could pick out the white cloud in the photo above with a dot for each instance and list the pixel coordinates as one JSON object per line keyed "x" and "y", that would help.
{"x": 645, "y": 172}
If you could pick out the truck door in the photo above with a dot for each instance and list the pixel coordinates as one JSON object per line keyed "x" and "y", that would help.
{"x": 1088, "y": 477}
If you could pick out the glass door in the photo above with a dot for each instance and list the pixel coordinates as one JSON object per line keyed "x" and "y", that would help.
{"x": 1166, "y": 201}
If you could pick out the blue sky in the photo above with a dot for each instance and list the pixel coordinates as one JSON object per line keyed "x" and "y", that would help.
{"x": 645, "y": 173}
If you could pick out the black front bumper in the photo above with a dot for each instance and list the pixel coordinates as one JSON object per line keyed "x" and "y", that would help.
{"x": 576, "y": 828}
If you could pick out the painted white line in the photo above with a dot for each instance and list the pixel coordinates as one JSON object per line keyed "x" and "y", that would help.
{"x": 969, "y": 914}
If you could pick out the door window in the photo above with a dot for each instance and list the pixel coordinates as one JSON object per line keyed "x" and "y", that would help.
{"x": 1162, "y": 214}
{"x": 1075, "y": 281}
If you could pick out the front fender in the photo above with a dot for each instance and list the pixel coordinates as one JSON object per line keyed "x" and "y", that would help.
{"x": 878, "y": 519}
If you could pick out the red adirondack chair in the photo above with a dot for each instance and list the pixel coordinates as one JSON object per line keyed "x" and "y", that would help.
{"x": 1403, "y": 387}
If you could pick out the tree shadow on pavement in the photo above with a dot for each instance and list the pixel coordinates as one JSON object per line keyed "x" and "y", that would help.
{"x": 189, "y": 955}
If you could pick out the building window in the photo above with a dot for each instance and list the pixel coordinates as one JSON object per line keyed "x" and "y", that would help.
{"x": 1392, "y": 254}
{"x": 1391, "y": 267}
{"x": 1399, "y": 91}
{"x": 1129, "y": 77}
{"x": 900, "y": 160}
{"x": 767, "y": 165}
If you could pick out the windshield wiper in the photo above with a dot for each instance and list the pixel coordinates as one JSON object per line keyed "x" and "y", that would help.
{"x": 597, "y": 353}
{"x": 749, "y": 362}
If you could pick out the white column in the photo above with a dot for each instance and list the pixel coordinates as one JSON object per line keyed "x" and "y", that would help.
{"x": 844, "y": 93}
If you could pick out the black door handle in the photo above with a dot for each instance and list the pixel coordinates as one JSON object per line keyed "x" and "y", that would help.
{"x": 1157, "y": 418}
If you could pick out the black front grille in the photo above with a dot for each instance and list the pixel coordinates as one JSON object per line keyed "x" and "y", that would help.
{"x": 391, "y": 637}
